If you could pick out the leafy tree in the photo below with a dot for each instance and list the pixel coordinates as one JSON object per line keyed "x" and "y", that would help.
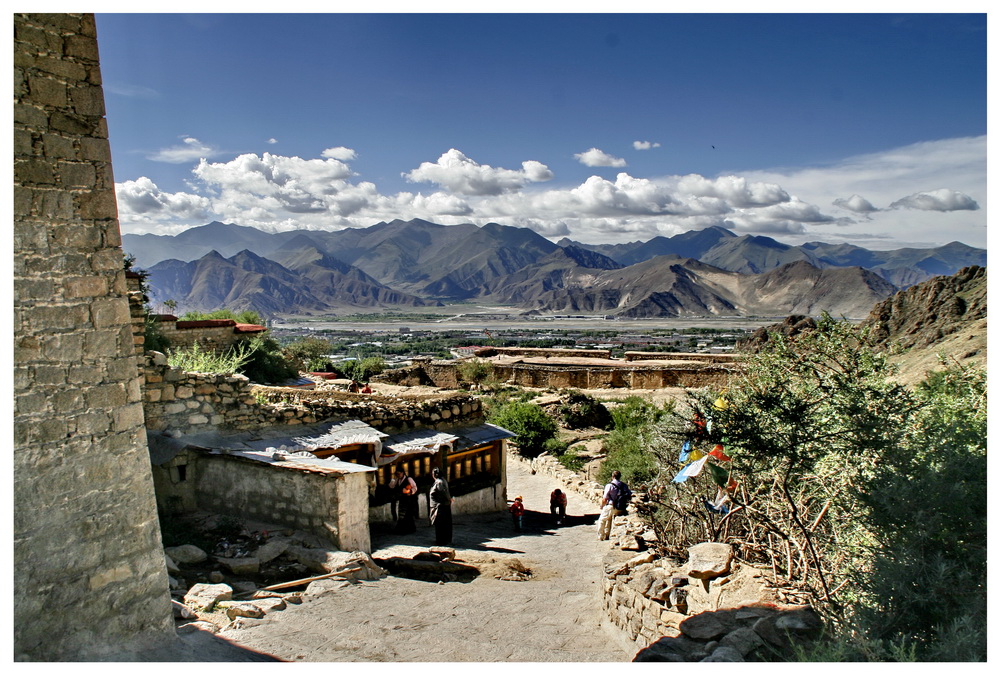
{"x": 926, "y": 584}
{"x": 361, "y": 370}
{"x": 310, "y": 354}
{"x": 806, "y": 422}
{"x": 533, "y": 426}
{"x": 475, "y": 372}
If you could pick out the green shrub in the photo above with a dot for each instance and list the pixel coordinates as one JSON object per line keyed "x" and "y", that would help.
{"x": 636, "y": 412}
{"x": 571, "y": 461}
{"x": 199, "y": 360}
{"x": 239, "y": 316}
{"x": 267, "y": 363}
{"x": 475, "y": 372}
{"x": 529, "y": 422}
{"x": 580, "y": 410}
{"x": 627, "y": 452}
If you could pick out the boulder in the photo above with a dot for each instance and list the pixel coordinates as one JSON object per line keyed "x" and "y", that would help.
{"x": 272, "y": 549}
{"x": 703, "y": 627}
{"x": 186, "y": 554}
{"x": 246, "y": 565}
{"x": 200, "y": 625}
{"x": 269, "y": 605}
{"x": 709, "y": 560}
{"x": 744, "y": 640}
{"x": 671, "y": 649}
{"x": 216, "y": 577}
{"x": 724, "y": 654}
{"x": 320, "y": 587}
{"x": 234, "y": 610}
{"x": 171, "y": 566}
{"x": 205, "y": 596}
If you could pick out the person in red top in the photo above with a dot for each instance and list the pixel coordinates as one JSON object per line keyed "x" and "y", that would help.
{"x": 517, "y": 513}
{"x": 557, "y": 505}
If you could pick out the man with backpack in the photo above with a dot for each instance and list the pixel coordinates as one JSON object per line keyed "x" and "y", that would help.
{"x": 616, "y": 498}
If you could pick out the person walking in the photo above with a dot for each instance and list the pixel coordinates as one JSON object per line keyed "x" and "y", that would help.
{"x": 557, "y": 506}
{"x": 517, "y": 513}
{"x": 405, "y": 489}
{"x": 440, "y": 509}
{"x": 614, "y": 503}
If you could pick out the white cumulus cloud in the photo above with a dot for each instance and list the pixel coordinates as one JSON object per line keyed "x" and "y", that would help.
{"x": 190, "y": 150}
{"x": 937, "y": 200}
{"x": 855, "y": 203}
{"x": 339, "y": 153}
{"x": 460, "y": 174}
{"x": 599, "y": 158}
{"x": 141, "y": 200}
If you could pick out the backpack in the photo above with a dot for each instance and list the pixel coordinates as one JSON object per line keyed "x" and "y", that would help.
{"x": 623, "y": 495}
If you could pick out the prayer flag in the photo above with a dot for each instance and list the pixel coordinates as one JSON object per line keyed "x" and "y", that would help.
{"x": 694, "y": 468}
{"x": 685, "y": 451}
{"x": 717, "y": 453}
{"x": 719, "y": 475}
{"x": 695, "y": 454}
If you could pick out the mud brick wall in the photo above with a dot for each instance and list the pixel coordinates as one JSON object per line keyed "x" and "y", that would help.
{"x": 89, "y": 574}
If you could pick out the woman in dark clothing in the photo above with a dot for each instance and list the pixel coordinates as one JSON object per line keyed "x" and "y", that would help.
{"x": 440, "y": 511}
{"x": 405, "y": 491}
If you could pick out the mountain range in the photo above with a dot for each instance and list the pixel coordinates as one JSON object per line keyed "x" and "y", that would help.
{"x": 417, "y": 263}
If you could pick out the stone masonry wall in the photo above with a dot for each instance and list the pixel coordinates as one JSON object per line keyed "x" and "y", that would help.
{"x": 188, "y": 403}
{"x": 333, "y": 506}
{"x": 89, "y": 574}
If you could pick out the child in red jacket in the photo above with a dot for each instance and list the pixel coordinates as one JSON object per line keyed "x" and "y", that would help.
{"x": 517, "y": 513}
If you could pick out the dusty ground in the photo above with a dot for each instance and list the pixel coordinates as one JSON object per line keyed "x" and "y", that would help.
{"x": 554, "y": 615}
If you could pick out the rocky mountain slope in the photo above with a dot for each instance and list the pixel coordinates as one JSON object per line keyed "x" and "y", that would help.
{"x": 669, "y": 286}
{"x": 943, "y": 318}
{"x": 309, "y": 282}
{"x": 410, "y": 263}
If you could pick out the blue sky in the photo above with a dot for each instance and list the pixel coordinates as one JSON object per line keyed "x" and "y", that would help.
{"x": 866, "y": 128}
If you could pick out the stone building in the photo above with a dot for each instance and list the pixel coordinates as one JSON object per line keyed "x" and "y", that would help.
{"x": 90, "y": 580}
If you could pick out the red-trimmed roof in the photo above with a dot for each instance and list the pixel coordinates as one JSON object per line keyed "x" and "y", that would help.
{"x": 205, "y": 323}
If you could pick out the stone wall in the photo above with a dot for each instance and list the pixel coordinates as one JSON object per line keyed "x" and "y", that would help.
{"x": 89, "y": 574}
{"x": 630, "y": 375}
{"x": 189, "y": 403}
{"x": 329, "y": 504}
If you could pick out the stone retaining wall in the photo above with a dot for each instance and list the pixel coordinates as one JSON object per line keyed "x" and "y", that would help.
{"x": 189, "y": 403}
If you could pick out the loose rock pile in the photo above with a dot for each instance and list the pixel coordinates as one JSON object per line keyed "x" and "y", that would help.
{"x": 250, "y": 576}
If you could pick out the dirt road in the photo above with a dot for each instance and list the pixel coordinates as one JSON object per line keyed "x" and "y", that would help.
{"x": 554, "y": 616}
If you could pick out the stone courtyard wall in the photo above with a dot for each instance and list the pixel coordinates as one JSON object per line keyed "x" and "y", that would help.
{"x": 189, "y": 403}
{"x": 89, "y": 578}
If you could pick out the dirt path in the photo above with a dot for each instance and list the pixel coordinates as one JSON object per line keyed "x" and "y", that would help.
{"x": 555, "y": 616}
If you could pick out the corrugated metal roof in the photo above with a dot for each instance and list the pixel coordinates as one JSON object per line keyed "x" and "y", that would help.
{"x": 301, "y": 461}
